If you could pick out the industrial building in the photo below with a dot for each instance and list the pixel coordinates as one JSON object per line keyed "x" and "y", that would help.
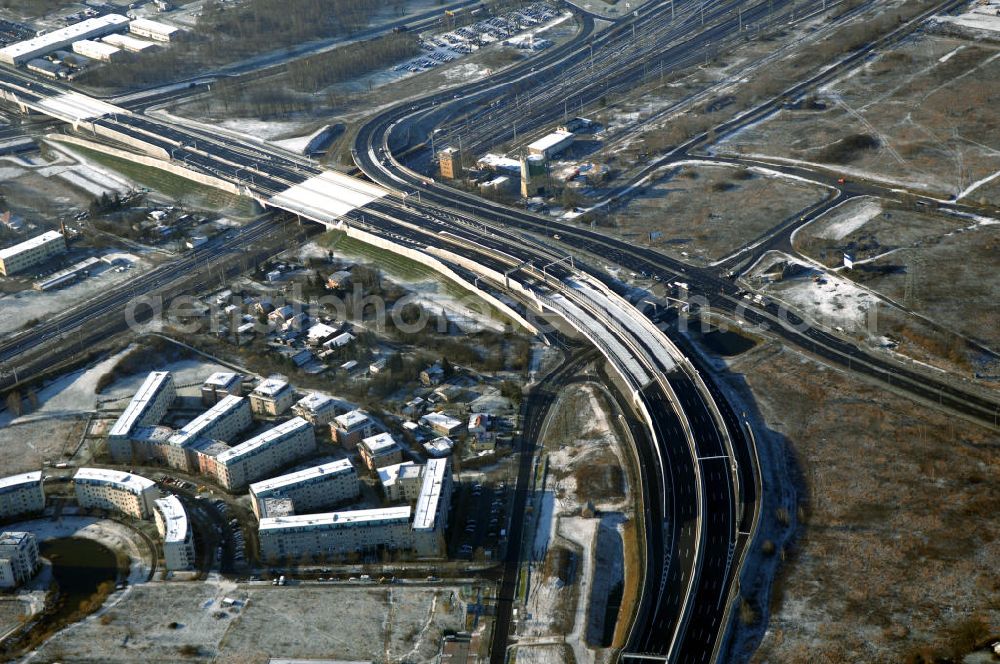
{"x": 18, "y": 558}
{"x": 263, "y": 454}
{"x": 92, "y": 28}
{"x": 220, "y": 385}
{"x": 116, "y": 491}
{"x": 70, "y": 274}
{"x": 31, "y": 252}
{"x": 442, "y": 424}
{"x": 351, "y": 427}
{"x": 147, "y": 407}
{"x": 317, "y": 409}
{"x": 314, "y": 488}
{"x": 161, "y": 32}
{"x": 440, "y": 447}
{"x": 21, "y": 494}
{"x": 450, "y": 163}
{"x": 175, "y": 529}
{"x": 130, "y": 44}
{"x": 100, "y": 51}
{"x": 271, "y": 398}
{"x": 335, "y": 533}
{"x": 45, "y": 68}
{"x": 551, "y": 145}
{"x": 379, "y": 451}
{"x": 401, "y": 481}
{"x": 223, "y": 421}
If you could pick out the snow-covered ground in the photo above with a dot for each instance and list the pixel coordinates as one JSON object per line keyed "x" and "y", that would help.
{"x": 22, "y": 307}
{"x": 824, "y": 297}
{"x": 185, "y": 373}
{"x": 845, "y": 219}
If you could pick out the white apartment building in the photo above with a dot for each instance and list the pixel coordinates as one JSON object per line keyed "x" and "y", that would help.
{"x": 161, "y": 32}
{"x": 335, "y": 533}
{"x": 21, "y": 494}
{"x": 175, "y": 529}
{"x": 31, "y": 252}
{"x": 223, "y": 421}
{"x": 220, "y": 385}
{"x": 261, "y": 455}
{"x": 401, "y": 481}
{"x": 114, "y": 490}
{"x": 18, "y": 558}
{"x": 310, "y": 489}
{"x": 351, "y": 427}
{"x": 379, "y": 451}
{"x": 271, "y": 398}
{"x": 317, "y": 409}
{"x": 433, "y": 504}
{"x": 148, "y": 406}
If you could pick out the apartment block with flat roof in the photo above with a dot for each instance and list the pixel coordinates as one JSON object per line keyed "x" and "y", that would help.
{"x": 18, "y": 558}
{"x": 262, "y": 455}
{"x": 310, "y": 489}
{"x": 379, "y": 451}
{"x": 115, "y": 491}
{"x": 223, "y": 421}
{"x": 350, "y": 428}
{"x": 147, "y": 407}
{"x": 174, "y": 527}
{"x": 21, "y": 494}
{"x": 271, "y": 398}
{"x": 220, "y": 385}
{"x": 335, "y": 533}
{"x": 31, "y": 252}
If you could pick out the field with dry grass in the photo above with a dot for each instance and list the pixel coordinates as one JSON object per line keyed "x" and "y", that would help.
{"x": 700, "y": 214}
{"x": 898, "y": 552}
{"x": 920, "y": 114}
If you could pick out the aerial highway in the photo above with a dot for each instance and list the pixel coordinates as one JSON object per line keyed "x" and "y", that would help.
{"x": 699, "y": 481}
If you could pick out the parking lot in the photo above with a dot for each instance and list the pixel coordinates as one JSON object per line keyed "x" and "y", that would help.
{"x": 444, "y": 48}
{"x": 478, "y": 519}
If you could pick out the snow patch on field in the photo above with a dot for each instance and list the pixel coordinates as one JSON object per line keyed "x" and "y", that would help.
{"x": 843, "y": 223}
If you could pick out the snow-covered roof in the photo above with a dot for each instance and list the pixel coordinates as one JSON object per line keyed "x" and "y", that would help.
{"x": 120, "y": 479}
{"x": 175, "y": 518}
{"x": 155, "y": 383}
{"x": 332, "y": 520}
{"x": 15, "y": 482}
{"x": 305, "y": 476}
{"x": 431, "y": 493}
{"x": 37, "y": 241}
{"x": 269, "y": 437}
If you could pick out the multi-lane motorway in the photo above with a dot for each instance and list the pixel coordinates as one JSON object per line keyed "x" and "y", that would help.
{"x": 698, "y": 468}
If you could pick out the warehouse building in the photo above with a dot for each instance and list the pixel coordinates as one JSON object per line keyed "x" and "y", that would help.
{"x": 550, "y": 145}
{"x": 379, "y": 451}
{"x": 271, "y": 398}
{"x": 115, "y": 491}
{"x": 314, "y": 488}
{"x": 175, "y": 529}
{"x": 147, "y": 407}
{"x": 317, "y": 409}
{"x": 220, "y": 385}
{"x": 161, "y": 32}
{"x": 21, "y": 494}
{"x": 130, "y": 44}
{"x": 31, "y": 252}
{"x": 351, "y": 427}
{"x": 263, "y": 454}
{"x": 92, "y": 28}
{"x": 100, "y": 51}
{"x": 18, "y": 558}
{"x": 442, "y": 424}
{"x": 335, "y": 533}
{"x": 45, "y": 68}
{"x": 223, "y": 421}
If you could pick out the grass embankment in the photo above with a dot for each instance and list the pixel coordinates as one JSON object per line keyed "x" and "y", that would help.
{"x": 408, "y": 270}
{"x": 180, "y": 189}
